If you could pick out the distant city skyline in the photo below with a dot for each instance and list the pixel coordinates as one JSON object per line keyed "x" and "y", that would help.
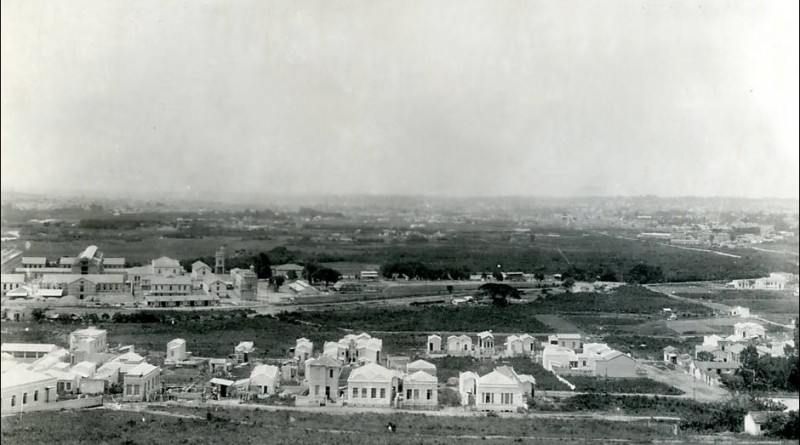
{"x": 213, "y": 100}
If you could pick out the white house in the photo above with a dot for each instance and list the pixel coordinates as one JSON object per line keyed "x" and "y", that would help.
{"x": 499, "y": 391}
{"x": 485, "y": 343}
{"x": 303, "y": 349}
{"x": 264, "y": 380}
{"x": 670, "y": 355}
{"x": 571, "y": 341}
{"x": 372, "y": 385}
{"x": 88, "y": 340}
{"x": 740, "y": 311}
{"x": 459, "y": 345}
{"x": 421, "y": 390}
{"x": 754, "y": 421}
{"x": 243, "y": 351}
{"x": 176, "y": 350}
{"x": 322, "y": 376}
{"x": 615, "y": 364}
{"x": 555, "y": 357}
{"x": 166, "y": 266}
{"x": 467, "y": 384}
{"x": 519, "y": 345}
{"x": 141, "y": 383}
{"x": 748, "y": 330}
{"x": 434, "y": 344}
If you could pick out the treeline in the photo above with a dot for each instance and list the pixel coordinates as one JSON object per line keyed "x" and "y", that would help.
{"x": 421, "y": 271}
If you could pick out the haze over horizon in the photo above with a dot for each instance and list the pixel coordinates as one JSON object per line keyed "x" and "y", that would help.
{"x": 456, "y": 98}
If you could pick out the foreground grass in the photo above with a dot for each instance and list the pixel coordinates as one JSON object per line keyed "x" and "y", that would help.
{"x": 258, "y": 427}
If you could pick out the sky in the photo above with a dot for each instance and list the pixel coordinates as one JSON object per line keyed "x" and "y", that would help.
{"x": 208, "y": 98}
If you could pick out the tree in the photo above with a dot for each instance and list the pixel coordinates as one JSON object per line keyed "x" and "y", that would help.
{"x": 291, "y": 275}
{"x": 498, "y": 276}
{"x": 539, "y": 276}
{"x": 326, "y": 275}
{"x": 277, "y": 281}
{"x": 644, "y": 274}
{"x": 309, "y": 270}
{"x": 499, "y": 293}
{"x": 263, "y": 266}
{"x": 450, "y": 288}
{"x": 38, "y": 314}
{"x": 705, "y": 356}
{"x": 568, "y": 283}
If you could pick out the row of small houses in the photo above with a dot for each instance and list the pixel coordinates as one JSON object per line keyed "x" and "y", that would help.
{"x": 400, "y": 383}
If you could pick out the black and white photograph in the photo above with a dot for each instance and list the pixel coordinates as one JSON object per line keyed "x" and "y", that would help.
{"x": 363, "y": 222}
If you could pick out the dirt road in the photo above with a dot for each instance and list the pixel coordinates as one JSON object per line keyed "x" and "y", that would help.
{"x": 693, "y": 389}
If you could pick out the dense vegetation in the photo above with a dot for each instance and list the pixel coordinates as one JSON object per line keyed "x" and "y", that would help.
{"x": 622, "y": 386}
{"x": 518, "y": 318}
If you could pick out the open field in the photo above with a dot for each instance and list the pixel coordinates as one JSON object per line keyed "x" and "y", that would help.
{"x": 759, "y": 302}
{"x": 625, "y": 299}
{"x": 467, "y": 246}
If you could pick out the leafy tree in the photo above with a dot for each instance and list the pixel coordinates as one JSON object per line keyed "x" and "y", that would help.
{"x": 291, "y": 275}
{"x": 539, "y": 276}
{"x": 309, "y": 270}
{"x": 277, "y": 281}
{"x": 38, "y": 314}
{"x": 499, "y": 293}
{"x": 705, "y": 356}
{"x": 326, "y": 275}
{"x": 568, "y": 283}
{"x": 263, "y": 266}
{"x": 784, "y": 426}
{"x": 644, "y": 274}
{"x": 498, "y": 276}
{"x": 450, "y": 288}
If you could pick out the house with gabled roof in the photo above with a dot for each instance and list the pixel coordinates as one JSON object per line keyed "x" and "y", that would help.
{"x": 420, "y": 391}
{"x": 322, "y": 376}
{"x": 264, "y": 380}
{"x": 434, "y": 344}
{"x": 166, "y": 266}
{"x": 372, "y": 385}
{"x": 499, "y": 391}
{"x": 459, "y": 345}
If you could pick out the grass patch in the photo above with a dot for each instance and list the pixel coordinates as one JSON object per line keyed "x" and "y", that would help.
{"x": 623, "y": 385}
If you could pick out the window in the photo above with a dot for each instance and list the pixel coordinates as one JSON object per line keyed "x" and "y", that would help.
{"x": 383, "y": 393}
{"x": 374, "y": 393}
{"x": 24, "y": 398}
{"x": 408, "y": 394}
{"x": 416, "y": 394}
{"x": 316, "y": 390}
{"x": 508, "y": 398}
{"x": 13, "y": 400}
{"x": 330, "y": 373}
{"x": 36, "y": 396}
{"x": 429, "y": 394}
{"x": 136, "y": 390}
{"x": 488, "y": 397}
{"x": 355, "y": 393}
{"x": 363, "y": 393}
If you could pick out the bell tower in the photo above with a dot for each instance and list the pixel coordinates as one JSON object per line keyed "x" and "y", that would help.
{"x": 219, "y": 263}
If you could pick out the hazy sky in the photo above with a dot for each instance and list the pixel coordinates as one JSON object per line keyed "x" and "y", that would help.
{"x": 404, "y": 97}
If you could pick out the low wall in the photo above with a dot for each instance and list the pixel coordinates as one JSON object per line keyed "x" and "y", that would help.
{"x": 85, "y": 402}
